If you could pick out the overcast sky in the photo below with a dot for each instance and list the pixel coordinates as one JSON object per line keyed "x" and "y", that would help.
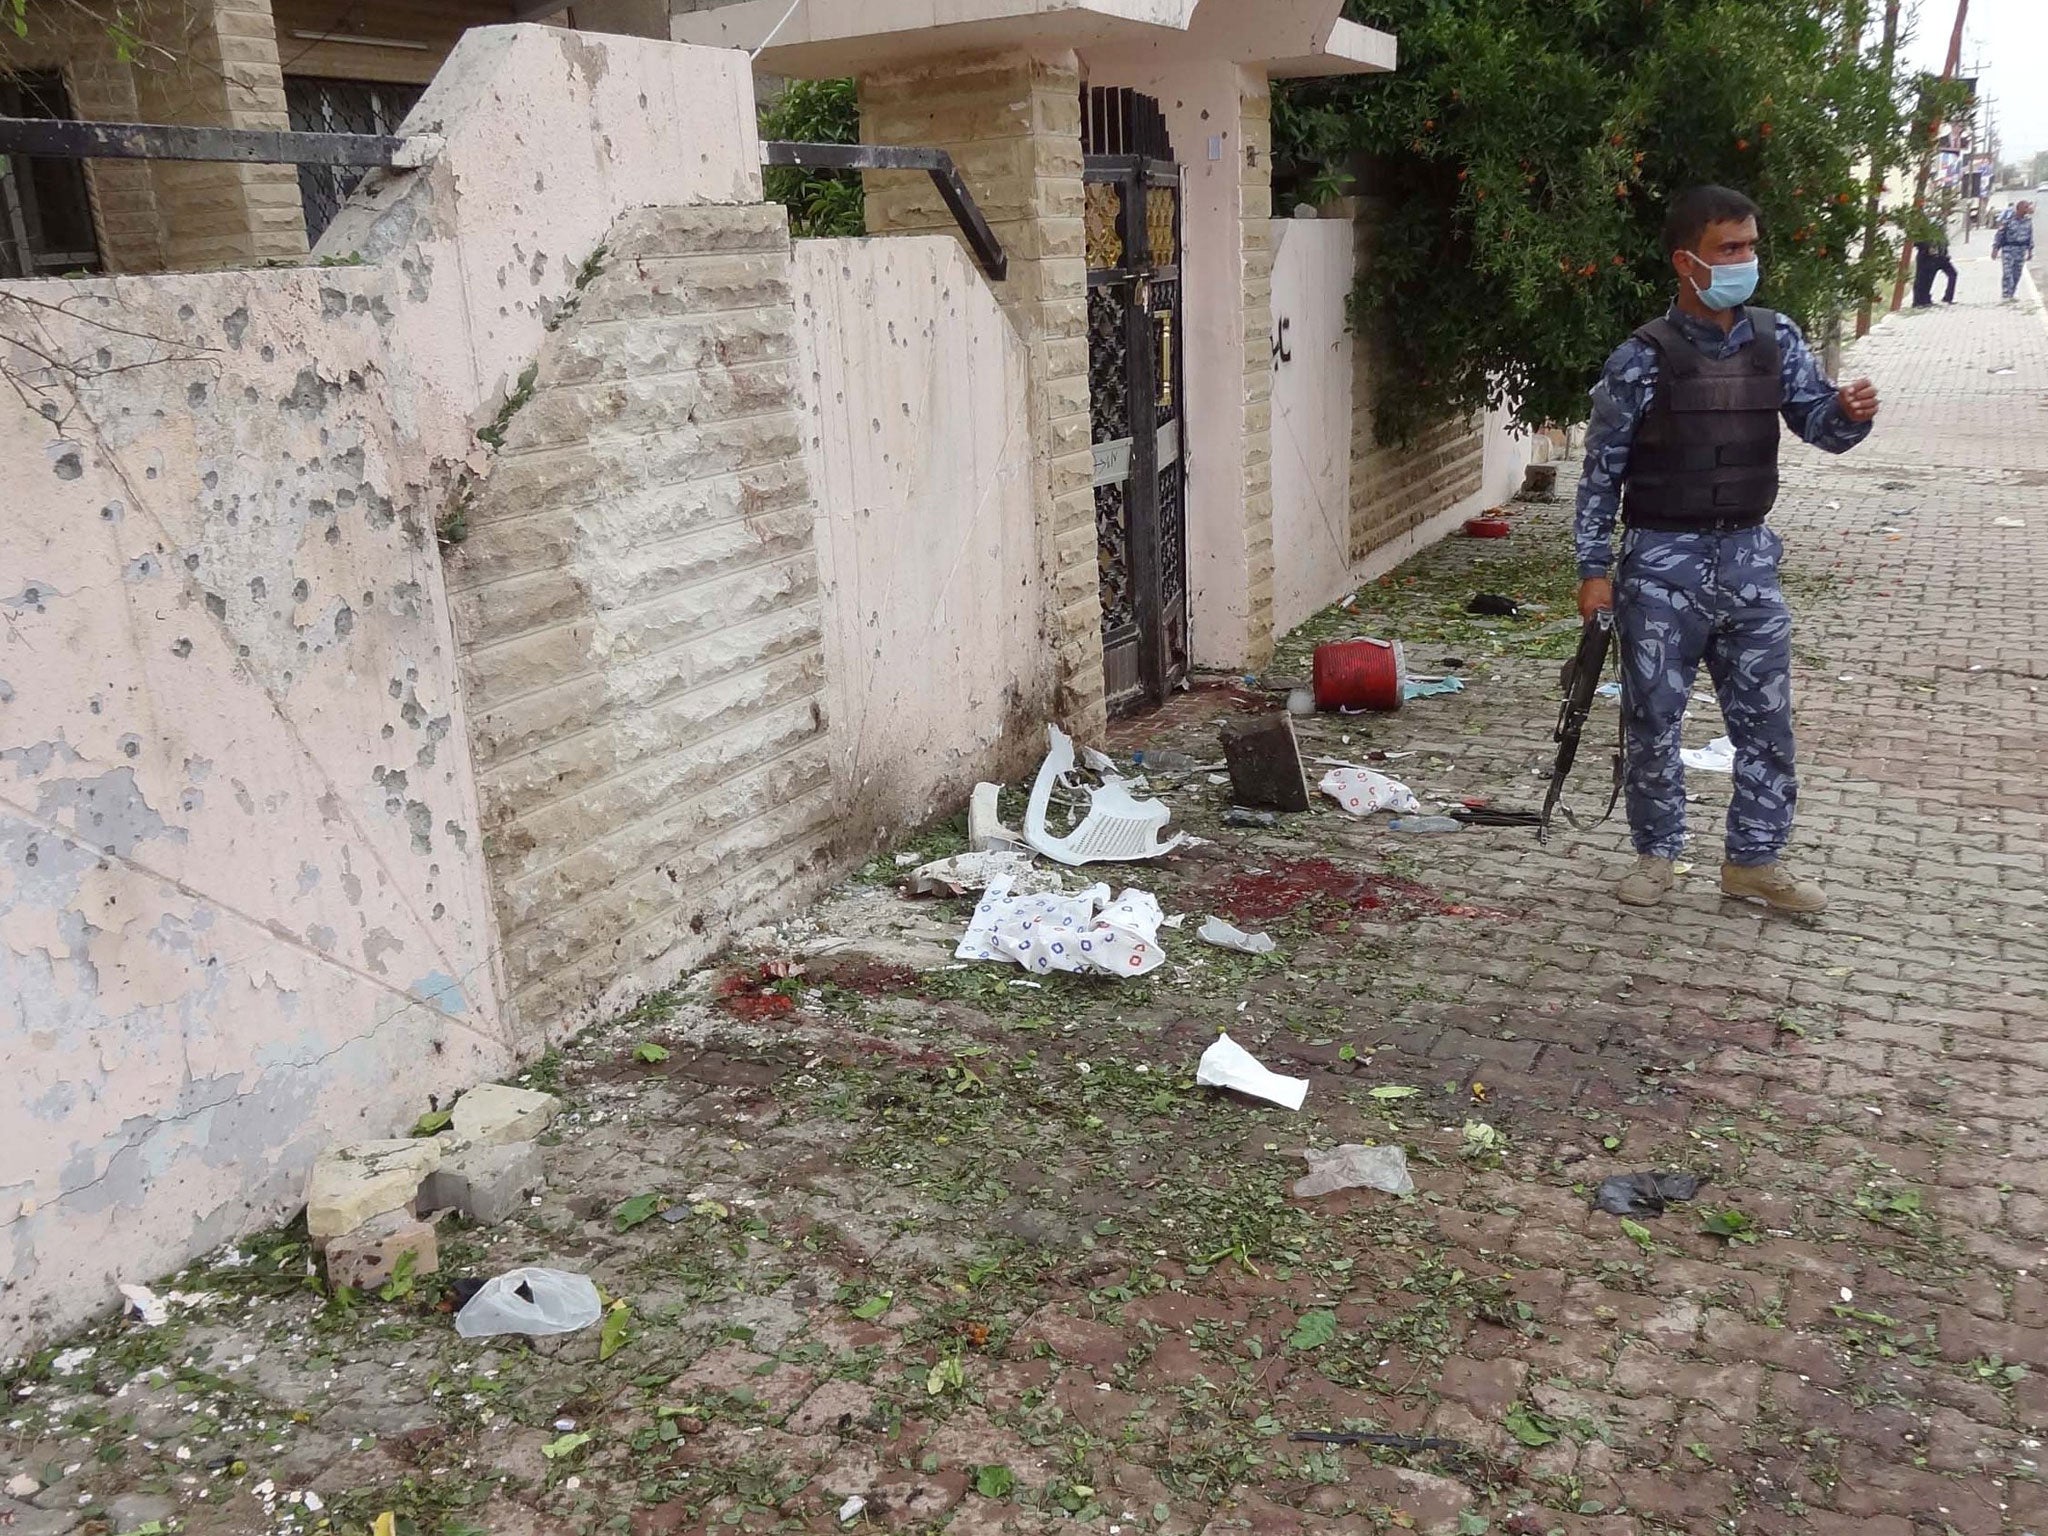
{"x": 2008, "y": 40}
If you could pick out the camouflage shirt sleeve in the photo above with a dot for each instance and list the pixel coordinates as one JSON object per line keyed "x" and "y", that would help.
{"x": 1619, "y": 401}
{"x": 1813, "y": 407}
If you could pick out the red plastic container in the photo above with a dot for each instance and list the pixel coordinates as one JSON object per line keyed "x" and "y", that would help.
{"x": 1359, "y": 674}
{"x": 1488, "y": 528}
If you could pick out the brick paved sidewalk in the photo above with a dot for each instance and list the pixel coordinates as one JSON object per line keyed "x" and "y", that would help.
{"x": 979, "y": 1253}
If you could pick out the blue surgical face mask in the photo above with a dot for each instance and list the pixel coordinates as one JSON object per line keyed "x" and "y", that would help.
{"x": 1731, "y": 285}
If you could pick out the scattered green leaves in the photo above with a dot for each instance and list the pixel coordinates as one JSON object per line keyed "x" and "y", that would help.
{"x": 402, "y": 1282}
{"x": 568, "y": 1445}
{"x": 994, "y": 1482}
{"x": 1312, "y": 1330}
{"x": 1994, "y": 1370}
{"x": 636, "y": 1210}
{"x": 1531, "y": 1427}
{"x": 1638, "y": 1233}
{"x": 875, "y": 1306}
{"x": 1481, "y": 1141}
{"x": 1390, "y": 1091}
{"x": 649, "y": 1052}
{"x": 946, "y": 1376}
{"x": 433, "y": 1122}
{"x": 1730, "y": 1225}
{"x": 616, "y": 1332}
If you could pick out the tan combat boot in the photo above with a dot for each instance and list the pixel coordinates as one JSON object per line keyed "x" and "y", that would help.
{"x": 1649, "y": 882}
{"x": 1774, "y": 885}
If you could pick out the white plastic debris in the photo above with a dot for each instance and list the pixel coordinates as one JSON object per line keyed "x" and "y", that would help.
{"x": 1224, "y": 936}
{"x": 535, "y": 1302}
{"x": 968, "y": 872}
{"x": 985, "y": 830}
{"x": 1226, "y": 1064}
{"x": 1362, "y": 792}
{"x": 71, "y": 1361}
{"x": 1118, "y": 827}
{"x": 1085, "y": 932}
{"x": 144, "y": 1303}
{"x": 2008, "y": 522}
{"x": 1352, "y": 1166}
{"x": 1717, "y": 756}
{"x": 850, "y": 1510}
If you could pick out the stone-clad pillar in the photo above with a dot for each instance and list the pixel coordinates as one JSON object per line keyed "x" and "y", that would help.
{"x": 1012, "y": 122}
{"x": 215, "y": 63}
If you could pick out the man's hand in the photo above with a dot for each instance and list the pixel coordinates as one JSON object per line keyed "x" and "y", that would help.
{"x": 1859, "y": 400}
{"x": 1595, "y": 593}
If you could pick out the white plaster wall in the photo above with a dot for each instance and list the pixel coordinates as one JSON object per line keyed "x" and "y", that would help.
{"x": 939, "y": 670}
{"x": 243, "y": 910}
{"x": 1313, "y": 265}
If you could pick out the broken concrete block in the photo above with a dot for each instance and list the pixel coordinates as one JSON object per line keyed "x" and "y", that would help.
{"x": 491, "y": 1114}
{"x": 369, "y": 1256}
{"x": 352, "y": 1184}
{"x": 1265, "y": 763}
{"x": 484, "y": 1183}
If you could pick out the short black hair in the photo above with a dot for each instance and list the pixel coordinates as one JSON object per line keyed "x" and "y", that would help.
{"x": 1697, "y": 207}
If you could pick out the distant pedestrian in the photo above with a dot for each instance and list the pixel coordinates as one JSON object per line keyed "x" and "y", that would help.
{"x": 1931, "y": 260}
{"x": 2014, "y": 244}
{"x": 1683, "y": 448}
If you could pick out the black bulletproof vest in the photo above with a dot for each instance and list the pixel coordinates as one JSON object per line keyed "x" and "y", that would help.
{"x": 1706, "y": 453}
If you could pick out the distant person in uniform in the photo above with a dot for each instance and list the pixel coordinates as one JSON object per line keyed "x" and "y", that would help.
{"x": 2014, "y": 244}
{"x": 1683, "y": 450}
{"x": 1931, "y": 260}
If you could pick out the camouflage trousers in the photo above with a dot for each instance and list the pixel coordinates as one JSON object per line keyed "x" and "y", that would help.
{"x": 1684, "y": 598}
{"x": 2015, "y": 259}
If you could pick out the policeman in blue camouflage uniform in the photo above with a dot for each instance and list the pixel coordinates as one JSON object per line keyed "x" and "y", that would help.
{"x": 1683, "y": 450}
{"x": 2014, "y": 242}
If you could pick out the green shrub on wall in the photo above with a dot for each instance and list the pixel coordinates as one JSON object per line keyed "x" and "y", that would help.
{"x": 820, "y": 203}
{"x": 1522, "y": 157}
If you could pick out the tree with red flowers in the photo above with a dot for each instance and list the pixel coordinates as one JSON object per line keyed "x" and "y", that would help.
{"x": 1520, "y": 160}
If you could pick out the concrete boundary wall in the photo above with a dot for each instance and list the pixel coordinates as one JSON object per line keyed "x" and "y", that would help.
{"x": 244, "y": 909}
{"x": 1346, "y": 508}
{"x": 940, "y": 616}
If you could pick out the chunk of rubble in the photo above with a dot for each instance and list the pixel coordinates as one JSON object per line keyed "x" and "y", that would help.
{"x": 966, "y": 873}
{"x": 494, "y": 1115}
{"x": 369, "y": 1256}
{"x": 374, "y": 1178}
{"x": 485, "y": 1184}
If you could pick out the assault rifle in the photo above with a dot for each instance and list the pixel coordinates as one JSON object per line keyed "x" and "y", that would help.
{"x": 1581, "y": 684}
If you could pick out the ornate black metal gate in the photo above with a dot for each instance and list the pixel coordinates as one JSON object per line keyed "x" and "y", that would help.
{"x": 1134, "y": 369}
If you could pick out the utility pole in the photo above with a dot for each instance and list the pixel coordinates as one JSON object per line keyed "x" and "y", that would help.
{"x": 1948, "y": 73}
{"x": 1880, "y": 143}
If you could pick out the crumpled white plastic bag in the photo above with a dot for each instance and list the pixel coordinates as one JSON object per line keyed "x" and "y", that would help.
{"x": 1226, "y": 1064}
{"x": 1229, "y": 936}
{"x": 1078, "y": 933}
{"x": 1362, "y": 792}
